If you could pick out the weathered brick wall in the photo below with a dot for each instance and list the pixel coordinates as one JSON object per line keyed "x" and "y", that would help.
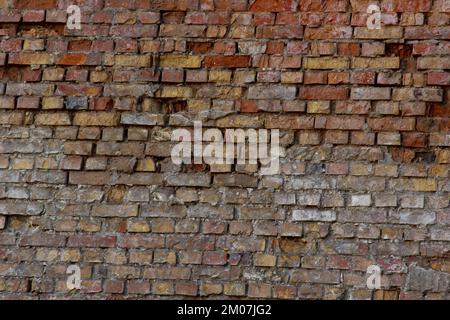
{"x": 86, "y": 176}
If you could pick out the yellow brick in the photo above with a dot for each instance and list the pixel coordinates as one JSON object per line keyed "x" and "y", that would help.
{"x": 46, "y": 254}
{"x": 219, "y": 76}
{"x": 211, "y": 288}
{"x": 138, "y": 226}
{"x": 318, "y": 107}
{"x": 99, "y": 76}
{"x": 100, "y": 118}
{"x": 389, "y": 170}
{"x": 326, "y": 63}
{"x": 46, "y": 163}
{"x": 387, "y": 32}
{"x": 443, "y": 156}
{"x": 376, "y": 63}
{"x": 198, "y": 105}
{"x": 146, "y": 165}
{"x": 164, "y": 257}
{"x": 52, "y": 119}
{"x": 70, "y": 255}
{"x": 15, "y": 118}
{"x": 133, "y": 61}
{"x": 234, "y": 289}
{"x": 33, "y": 44}
{"x": 31, "y": 58}
{"x": 424, "y": 185}
{"x": 292, "y": 77}
{"x": 4, "y": 162}
{"x": 175, "y": 92}
{"x": 439, "y": 170}
{"x": 162, "y": 226}
{"x": 358, "y": 169}
{"x": 52, "y": 103}
{"x": 180, "y": 61}
{"x": 240, "y": 121}
{"x": 23, "y": 164}
{"x": 162, "y": 288}
{"x": 265, "y": 260}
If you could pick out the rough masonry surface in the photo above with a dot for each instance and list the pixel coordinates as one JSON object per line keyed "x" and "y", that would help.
{"x": 86, "y": 176}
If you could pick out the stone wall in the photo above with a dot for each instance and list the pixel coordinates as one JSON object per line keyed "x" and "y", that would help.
{"x": 87, "y": 179}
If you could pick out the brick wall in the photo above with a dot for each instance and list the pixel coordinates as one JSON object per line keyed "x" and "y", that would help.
{"x": 87, "y": 179}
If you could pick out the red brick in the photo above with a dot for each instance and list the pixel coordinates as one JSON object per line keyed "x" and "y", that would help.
{"x": 113, "y": 286}
{"x": 392, "y": 124}
{"x": 414, "y": 140}
{"x": 227, "y": 61}
{"x": 323, "y": 93}
{"x": 33, "y": 16}
{"x": 138, "y": 287}
{"x": 32, "y": 4}
{"x": 186, "y": 289}
{"x": 91, "y": 241}
{"x": 439, "y": 78}
{"x": 28, "y": 103}
{"x": 273, "y": 5}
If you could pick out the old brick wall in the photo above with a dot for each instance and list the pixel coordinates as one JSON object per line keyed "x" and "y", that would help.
{"x": 86, "y": 176}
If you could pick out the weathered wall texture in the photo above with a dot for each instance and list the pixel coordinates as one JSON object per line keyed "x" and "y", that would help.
{"x": 86, "y": 176}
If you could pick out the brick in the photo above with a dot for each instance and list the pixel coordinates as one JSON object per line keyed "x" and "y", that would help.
{"x": 292, "y": 122}
{"x": 52, "y": 119}
{"x": 52, "y": 103}
{"x": 43, "y": 240}
{"x": 392, "y": 124}
{"x": 259, "y": 290}
{"x": 273, "y": 6}
{"x": 371, "y": 93}
{"x": 178, "y": 61}
{"x": 387, "y": 32}
{"x": 78, "y": 147}
{"x": 7, "y": 102}
{"x": 91, "y": 241}
{"x": 143, "y": 119}
{"x": 323, "y": 93}
{"x": 376, "y": 63}
{"x": 227, "y": 61}
{"x": 29, "y": 58}
{"x": 114, "y": 211}
{"x": 313, "y": 215}
{"x": 95, "y": 119}
{"x": 389, "y": 138}
{"x": 326, "y": 63}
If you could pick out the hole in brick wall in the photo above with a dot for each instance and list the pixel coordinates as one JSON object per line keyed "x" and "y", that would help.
{"x": 399, "y": 50}
{"x": 8, "y": 29}
{"x": 438, "y": 110}
{"x": 173, "y": 17}
{"x": 29, "y": 285}
{"x": 427, "y": 157}
{"x": 199, "y": 47}
{"x": 41, "y": 29}
{"x": 116, "y": 194}
{"x": 175, "y": 106}
{"x": 79, "y": 45}
{"x": 196, "y": 167}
